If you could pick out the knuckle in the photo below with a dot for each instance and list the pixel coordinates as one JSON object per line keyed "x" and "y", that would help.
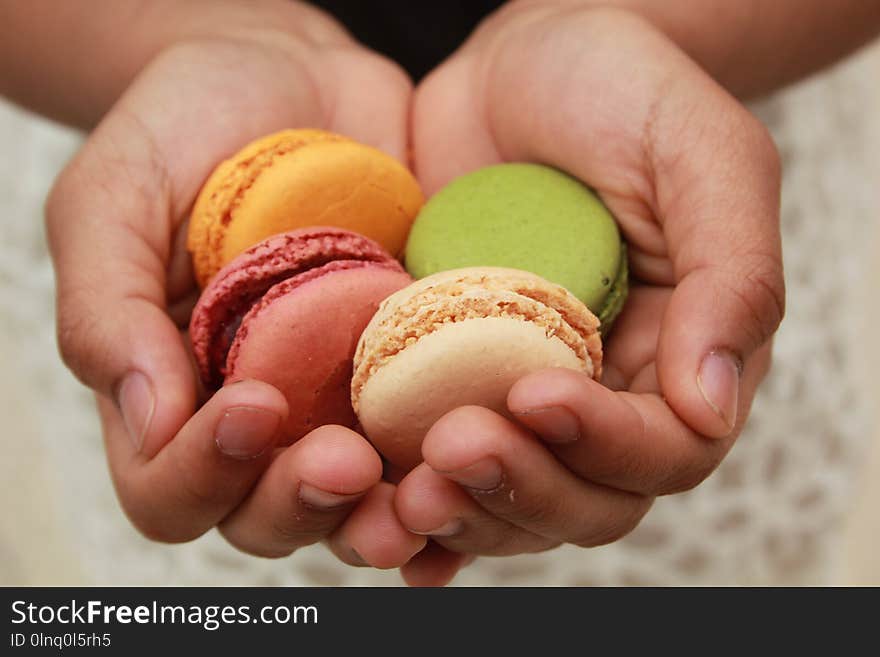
{"x": 625, "y": 519}
{"x": 497, "y": 544}
{"x": 767, "y": 280}
{"x": 491, "y": 538}
{"x": 397, "y": 78}
{"x": 640, "y": 469}
{"x": 169, "y": 519}
{"x": 760, "y": 288}
{"x": 197, "y": 487}
{"x": 465, "y": 416}
{"x": 468, "y": 414}
{"x": 160, "y": 532}
{"x": 302, "y": 530}
{"x": 197, "y": 491}
{"x": 79, "y": 334}
{"x": 264, "y": 551}
{"x": 248, "y": 543}
{"x": 765, "y": 149}
{"x": 689, "y": 478}
{"x": 500, "y": 541}
{"x": 63, "y": 190}
{"x": 55, "y": 200}
{"x": 155, "y": 526}
{"x": 539, "y": 514}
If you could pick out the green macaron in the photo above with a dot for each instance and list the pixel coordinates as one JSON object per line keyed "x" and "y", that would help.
{"x": 530, "y": 217}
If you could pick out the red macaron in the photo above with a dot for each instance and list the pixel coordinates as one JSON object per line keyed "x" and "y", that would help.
{"x": 289, "y": 311}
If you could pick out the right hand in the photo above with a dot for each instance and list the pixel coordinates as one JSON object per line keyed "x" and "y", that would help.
{"x": 693, "y": 180}
{"x": 116, "y": 226}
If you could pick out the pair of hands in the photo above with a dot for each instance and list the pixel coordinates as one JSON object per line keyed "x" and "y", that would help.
{"x": 691, "y": 176}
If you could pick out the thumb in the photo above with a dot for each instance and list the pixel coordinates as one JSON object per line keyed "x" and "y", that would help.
{"x": 109, "y": 234}
{"x": 722, "y": 229}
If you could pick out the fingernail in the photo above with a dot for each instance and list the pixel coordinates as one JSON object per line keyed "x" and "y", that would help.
{"x": 319, "y": 499}
{"x": 718, "y": 381}
{"x": 136, "y": 403}
{"x": 245, "y": 432}
{"x": 555, "y": 424}
{"x": 450, "y": 528}
{"x": 484, "y": 475}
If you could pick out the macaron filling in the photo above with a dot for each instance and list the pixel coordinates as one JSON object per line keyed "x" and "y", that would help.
{"x": 274, "y": 267}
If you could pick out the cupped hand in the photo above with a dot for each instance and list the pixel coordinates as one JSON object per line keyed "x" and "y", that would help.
{"x": 693, "y": 179}
{"x": 116, "y": 226}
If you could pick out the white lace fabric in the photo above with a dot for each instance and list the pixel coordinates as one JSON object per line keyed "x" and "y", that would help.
{"x": 769, "y": 515}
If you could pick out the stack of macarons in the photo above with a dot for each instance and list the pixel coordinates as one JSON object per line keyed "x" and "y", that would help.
{"x": 295, "y": 241}
{"x": 289, "y": 311}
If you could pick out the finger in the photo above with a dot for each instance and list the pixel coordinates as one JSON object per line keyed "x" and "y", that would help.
{"x": 371, "y": 100}
{"x": 205, "y": 471}
{"x": 670, "y": 150}
{"x": 431, "y": 504}
{"x": 632, "y": 442}
{"x": 110, "y": 245}
{"x": 305, "y": 494}
{"x": 433, "y": 566}
{"x": 373, "y": 536}
{"x": 507, "y": 472}
{"x": 450, "y": 134}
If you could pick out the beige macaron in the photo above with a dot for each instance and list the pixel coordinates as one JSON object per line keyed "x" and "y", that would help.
{"x": 462, "y": 337}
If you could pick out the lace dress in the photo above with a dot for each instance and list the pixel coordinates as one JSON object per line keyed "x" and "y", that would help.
{"x": 769, "y": 515}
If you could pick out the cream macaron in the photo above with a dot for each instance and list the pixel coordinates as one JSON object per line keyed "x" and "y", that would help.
{"x": 458, "y": 338}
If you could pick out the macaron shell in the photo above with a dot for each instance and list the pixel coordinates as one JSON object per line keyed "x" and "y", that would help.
{"x": 397, "y": 311}
{"x": 220, "y": 193}
{"x": 524, "y": 216}
{"x": 341, "y": 184}
{"x": 296, "y": 179}
{"x": 303, "y": 343}
{"x": 462, "y": 363}
{"x": 247, "y": 278}
{"x": 617, "y": 295}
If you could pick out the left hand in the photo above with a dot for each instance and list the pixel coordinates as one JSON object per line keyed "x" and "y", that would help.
{"x": 693, "y": 179}
{"x": 183, "y": 464}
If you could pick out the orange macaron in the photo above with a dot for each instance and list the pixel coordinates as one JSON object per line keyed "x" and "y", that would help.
{"x": 295, "y": 179}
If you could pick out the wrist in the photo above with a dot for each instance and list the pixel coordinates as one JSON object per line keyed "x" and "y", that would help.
{"x": 86, "y": 58}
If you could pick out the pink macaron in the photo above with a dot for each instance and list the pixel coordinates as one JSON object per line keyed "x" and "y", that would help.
{"x": 289, "y": 311}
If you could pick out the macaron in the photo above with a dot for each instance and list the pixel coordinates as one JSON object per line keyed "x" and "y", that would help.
{"x": 530, "y": 217}
{"x": 289, "y": 311}
{"x": 295, "y": 179}
{"x": 462, "y": 337}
